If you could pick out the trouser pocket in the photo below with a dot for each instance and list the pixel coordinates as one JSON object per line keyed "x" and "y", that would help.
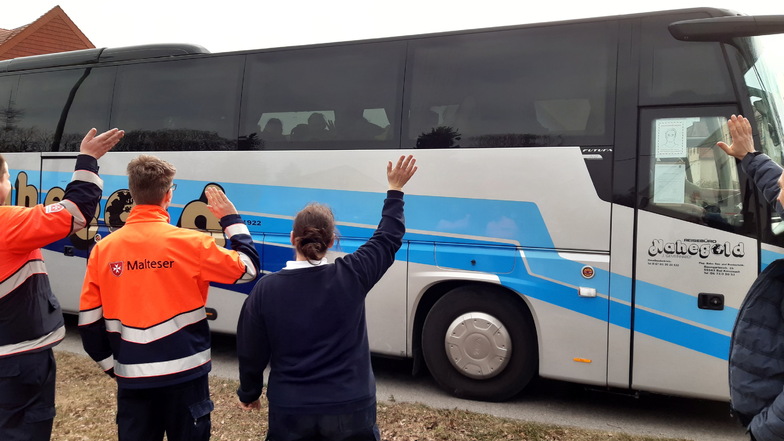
{"x": 27, "y": 386}
{"x": 200, "y": 412}
{"x": 11, "y": 387}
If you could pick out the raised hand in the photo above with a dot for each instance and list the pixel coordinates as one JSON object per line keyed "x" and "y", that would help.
{"x": 96, "y": 146}
{"x": 217, "y": 202}
{"x": 399, "y": 175}
{"x": 742, "y": 139}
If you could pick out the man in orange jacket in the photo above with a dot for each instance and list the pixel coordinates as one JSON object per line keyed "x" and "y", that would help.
{"x": 142, "y": 311}
{"x": 31, "y": 321}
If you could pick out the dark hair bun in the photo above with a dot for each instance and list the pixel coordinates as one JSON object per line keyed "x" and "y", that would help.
{"x": 314, "y": 243}
{"x": 314, "y": 231}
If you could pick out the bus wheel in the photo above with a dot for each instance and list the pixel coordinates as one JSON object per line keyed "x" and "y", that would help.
{"x": 479, "y": 344}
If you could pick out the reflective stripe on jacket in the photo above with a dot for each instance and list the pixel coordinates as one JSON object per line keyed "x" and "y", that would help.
{"x": 142, "y": 315}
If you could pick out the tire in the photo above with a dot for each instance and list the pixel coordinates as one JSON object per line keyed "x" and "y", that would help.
{"x": 480, "y": 344}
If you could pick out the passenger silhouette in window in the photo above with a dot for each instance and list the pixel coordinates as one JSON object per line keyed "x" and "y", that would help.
{"x": 442, "y": 137}
{"x": 273, "y": 131}
{"x": 423, "y": 126}
{"x": 317, "y": 128}
{"x": 352, "y": 125}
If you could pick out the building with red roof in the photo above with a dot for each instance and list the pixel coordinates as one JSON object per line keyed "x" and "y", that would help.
{"x": 50, "y": 33}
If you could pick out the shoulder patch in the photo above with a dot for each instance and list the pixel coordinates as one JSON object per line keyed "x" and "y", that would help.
{"x": 54, "y": 208}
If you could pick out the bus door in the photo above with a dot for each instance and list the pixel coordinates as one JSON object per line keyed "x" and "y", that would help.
{"x": 695, "y": 256}
{"x": 65, "y": 259}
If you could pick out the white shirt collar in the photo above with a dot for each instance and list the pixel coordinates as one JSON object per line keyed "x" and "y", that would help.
{"x": 297, "y": 264}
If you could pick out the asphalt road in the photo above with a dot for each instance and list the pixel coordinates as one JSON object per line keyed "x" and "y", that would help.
{"x": 545, "y": 401}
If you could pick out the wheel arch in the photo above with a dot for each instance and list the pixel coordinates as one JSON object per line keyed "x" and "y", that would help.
{"x": 438, "y": 290}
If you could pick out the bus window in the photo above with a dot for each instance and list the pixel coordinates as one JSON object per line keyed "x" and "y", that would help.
{"x": 690, "y": 177}
{"x": 680, "y": 72}
{"x": 276, "y": 129}
{"x": 178, "y": 105}
{"x": 327, "y": 98}
{"x": 8, "y": 113}
{"x": 90, "y": 107}
{"x": 765, "y": 85}
{"x": 532, "y": 87}
{"x": 36, "y": 109}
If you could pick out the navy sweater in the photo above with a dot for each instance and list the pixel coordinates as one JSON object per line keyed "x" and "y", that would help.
{"x": 308, "y": 324}
{"x": 756, "y": 362}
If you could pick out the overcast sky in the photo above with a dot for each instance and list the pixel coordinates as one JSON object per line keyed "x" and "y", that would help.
{"x": 228, "y": 25}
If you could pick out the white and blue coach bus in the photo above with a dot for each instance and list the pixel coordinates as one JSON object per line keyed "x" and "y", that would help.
{"x": 573, "y": 218}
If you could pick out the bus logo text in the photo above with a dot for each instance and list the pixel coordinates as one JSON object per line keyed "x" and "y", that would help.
{"x": 690, "y": 248}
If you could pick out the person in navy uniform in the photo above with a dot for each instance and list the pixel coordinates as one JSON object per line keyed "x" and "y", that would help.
{"x": 756, "y": 369}
{"x": 307, "y": 322}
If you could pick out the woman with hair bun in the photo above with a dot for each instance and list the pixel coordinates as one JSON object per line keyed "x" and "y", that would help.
{"x": 307, "y": 322}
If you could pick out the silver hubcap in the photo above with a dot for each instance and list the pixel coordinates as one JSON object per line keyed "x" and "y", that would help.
{"x": 478, "y": 345}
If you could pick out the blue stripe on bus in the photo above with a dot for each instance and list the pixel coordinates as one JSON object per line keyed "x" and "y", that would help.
{"x": 620, "y": 315}
{"x": 471, "y": 221}
{"x": 556, "y": 294}
{"x": 550, "y": 264}
{"x": 684, "y": 306}
{"x": 33, "y": 178}
{"x": 501, "y": 220}
{"x": 621, "y": 287}
{"x": 682, "y": 334}
{"x": 768, "y": 257}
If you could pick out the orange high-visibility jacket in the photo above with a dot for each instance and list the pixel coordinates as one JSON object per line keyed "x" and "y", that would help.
{"x": 30, "y": 316}
{"x": 142, "y": 310}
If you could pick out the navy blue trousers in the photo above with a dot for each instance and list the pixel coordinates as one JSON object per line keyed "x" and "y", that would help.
{"x": 27, "y": 384}
{"x": 356, "y": 426}
{"x": 182, "y": 411}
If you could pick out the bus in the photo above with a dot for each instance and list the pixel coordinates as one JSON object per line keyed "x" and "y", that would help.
{"x": 573, "y": 218}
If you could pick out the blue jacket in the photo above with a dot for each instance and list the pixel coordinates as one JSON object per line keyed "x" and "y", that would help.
{"x": 756, "y": 363}
{"x": 765, "y": 173}
{"x": 308, "y": 324}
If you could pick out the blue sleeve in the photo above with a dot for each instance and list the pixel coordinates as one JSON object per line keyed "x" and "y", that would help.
{"x": 375, "y": 256}
{"x": 242, "y": 242}
{"x": 765, "y": 173}
{"x": 86, "y": 188}
{"x": 96, "y": 344}
{"x": 253, "y": 349}
{"x": 768, "y": 425}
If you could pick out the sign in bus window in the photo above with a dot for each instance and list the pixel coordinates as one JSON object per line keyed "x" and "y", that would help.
{"x": 669, "y": 183}
{"x": 670, "y": 138}
{"x": 691, "y": 177}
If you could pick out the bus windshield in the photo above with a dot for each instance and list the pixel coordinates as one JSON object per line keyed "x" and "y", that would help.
{"x": 765, "y": 82}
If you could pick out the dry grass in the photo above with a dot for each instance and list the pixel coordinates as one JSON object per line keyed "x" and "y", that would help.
{"x": 86, "y": 403}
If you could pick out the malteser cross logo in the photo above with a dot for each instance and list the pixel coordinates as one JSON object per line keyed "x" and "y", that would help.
{"x": 116, "y": 267}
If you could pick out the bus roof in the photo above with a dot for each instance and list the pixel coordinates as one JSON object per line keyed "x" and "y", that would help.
{"x": 96, "y": 55}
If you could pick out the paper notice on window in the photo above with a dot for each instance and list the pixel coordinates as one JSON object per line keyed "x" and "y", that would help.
{"x": 670, "y": 138}
{"x": 669, "y": 185}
